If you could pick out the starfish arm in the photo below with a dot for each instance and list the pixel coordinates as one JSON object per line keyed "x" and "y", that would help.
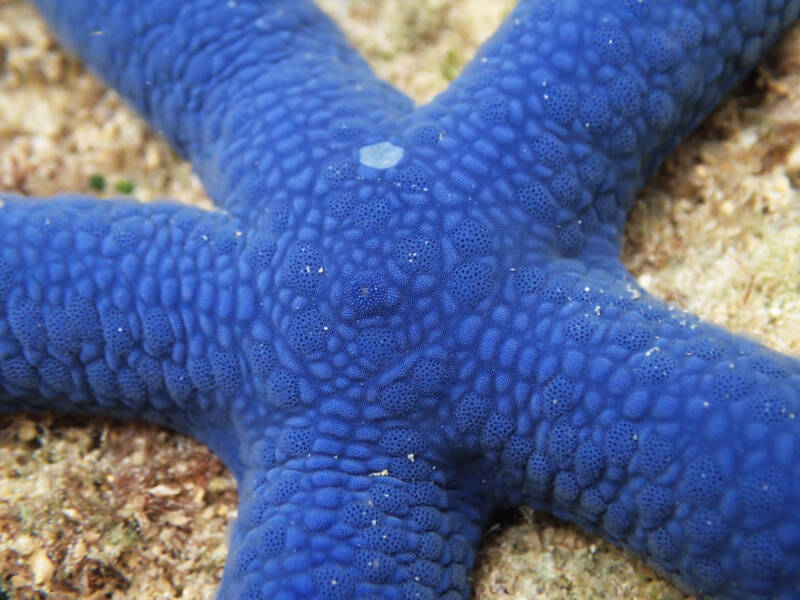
{"x": 565, "y": 112}
{"x": 105, "y": 308}
{"x": 259, "y": 95}
{"x": 671, "y": 437}
{"x": 319, "y": 527}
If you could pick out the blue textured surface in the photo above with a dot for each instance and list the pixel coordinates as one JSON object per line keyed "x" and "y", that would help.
{"x": 401, "y": 319}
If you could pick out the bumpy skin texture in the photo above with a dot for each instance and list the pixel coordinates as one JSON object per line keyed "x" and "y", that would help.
{"x": 402, "y": 319}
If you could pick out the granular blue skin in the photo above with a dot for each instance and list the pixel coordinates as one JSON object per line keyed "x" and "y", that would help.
{"x": 401, "y": 319}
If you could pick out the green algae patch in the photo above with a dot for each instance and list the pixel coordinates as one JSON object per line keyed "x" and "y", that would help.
{"x": 124, "y": 186}
{"x": 97, "y": 182}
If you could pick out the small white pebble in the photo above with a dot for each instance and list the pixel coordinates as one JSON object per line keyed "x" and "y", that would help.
{"x": 41, "y": 567}
{"x": 162, "y": 490}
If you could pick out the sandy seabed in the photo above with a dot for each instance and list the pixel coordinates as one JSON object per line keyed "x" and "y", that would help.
{"x": 102, "y": 509}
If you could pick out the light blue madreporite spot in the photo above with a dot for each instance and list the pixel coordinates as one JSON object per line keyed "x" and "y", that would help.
{"x": 382, "y": 155}
{"x": 388, "y": 340}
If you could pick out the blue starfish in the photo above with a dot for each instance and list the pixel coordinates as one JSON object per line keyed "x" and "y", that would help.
{"x": 401, "y": 319}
